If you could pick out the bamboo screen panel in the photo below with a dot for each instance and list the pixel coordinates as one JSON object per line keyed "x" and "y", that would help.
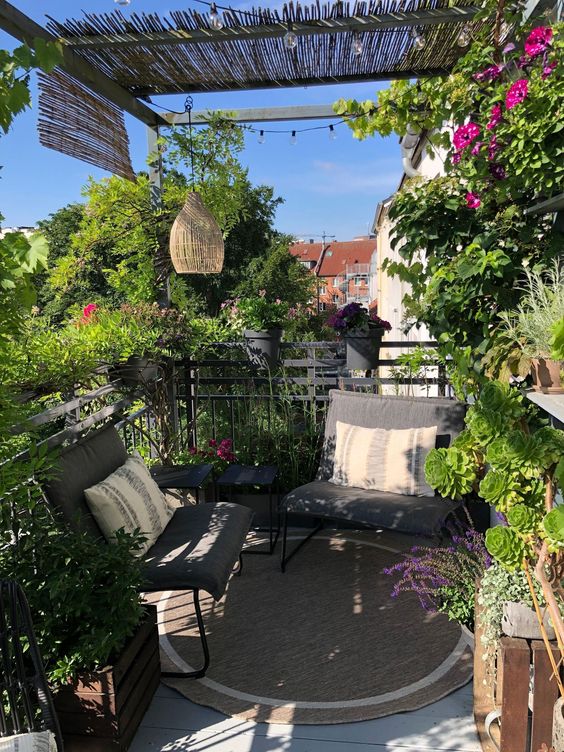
{"x": 76, "y": 121}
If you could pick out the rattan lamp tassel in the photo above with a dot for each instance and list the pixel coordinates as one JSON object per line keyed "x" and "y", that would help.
{"x": 196, "y": 242}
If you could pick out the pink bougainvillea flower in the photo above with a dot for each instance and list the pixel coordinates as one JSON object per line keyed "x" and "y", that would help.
{"x": 456, "y": 157}
{"x": 472, "y": 200}
{"x": 493, "y": 147}
{"x": 87, "y": 312}
{"x": 516, "y": 93}
{"x": 495, "y": 117}
{"x": 476, "y": 148}
{"x": 538, "y": 40}
{"x": 523, "y": 61}
{"x": 465, "y": 135}
{"x": 498, "y": 171}
{"x": 488, "y": 74}
{"x": 547, "y": 70}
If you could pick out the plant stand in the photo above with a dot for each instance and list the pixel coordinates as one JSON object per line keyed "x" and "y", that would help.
{"x": 101, "y": 712}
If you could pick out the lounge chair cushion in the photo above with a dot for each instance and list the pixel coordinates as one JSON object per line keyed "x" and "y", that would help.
{"x": 407, "y": 514}
{"x": 34, "y": 741}
{"x": 79, "y": 466}
{"x": 130, "y": 500}
{"x": 198, "y": 548}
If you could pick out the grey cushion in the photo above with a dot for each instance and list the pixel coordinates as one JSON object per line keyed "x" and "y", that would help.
{"x": 407, "y": 514}
{"x": 377, "y": 411}
{"x": 198, "y": 548}
{"x": 80, "y": 466}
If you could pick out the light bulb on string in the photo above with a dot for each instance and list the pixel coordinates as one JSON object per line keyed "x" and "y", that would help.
{"x": 293, "y": 139}
{"x": 418, "y": 39}
{"x": 290, "y": 38}
{"x": 465, "y": 37}
{"x": 123, "y": 3}
{"x": 332, "y": 133}
{"x": 216, "y": 21}
{"x": 356, "y": 44}
{"x": 261, "y": 139}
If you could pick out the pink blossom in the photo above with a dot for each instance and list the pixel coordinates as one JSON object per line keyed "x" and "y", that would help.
{"x": 523, "y": 61}
{"x": 495, "y": 117}
{"x": 88, "y": 310}
{"x": 516, "y": 93}
{"x": 489, "y": 74}
{"x": 456, "y": 157}
{"x": 547, "y": 70}
{"x": 538, "y": 40}
{"x": 476, "y": 148}
{"x": 472, "y": 200}
{"x": 212, "y": 443}
{"x": 465, "y": 135}
{"x": 493, "y": 147}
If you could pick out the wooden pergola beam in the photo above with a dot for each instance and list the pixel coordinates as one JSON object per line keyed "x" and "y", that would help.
{"x": 259, "y": 114}
{"x": 376, "y": 22}
{"x": 20, "y": 26}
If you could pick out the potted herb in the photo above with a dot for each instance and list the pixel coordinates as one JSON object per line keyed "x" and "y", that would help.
{"x": 532, "y": 330}
{"x": 261, "y": 321}
{"x": 362, "y": 332}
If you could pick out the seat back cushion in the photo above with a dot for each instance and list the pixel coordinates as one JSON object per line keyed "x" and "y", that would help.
{"x": 80, "y": 466}
{"x": 34, "y": 741}
{"x": 383, "y": 460}
{"x": 389, "y": 412}
{"x": 129, "y": 499}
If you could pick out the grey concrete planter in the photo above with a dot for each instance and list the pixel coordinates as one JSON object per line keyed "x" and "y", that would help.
{"x": 263, "y": 348}
{"x": 521, "y": 621}
{"x": 363, "y": 349}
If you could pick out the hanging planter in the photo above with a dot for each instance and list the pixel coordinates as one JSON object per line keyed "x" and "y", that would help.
{"x": 263, "y": 347}
{"x": 363, "y": 349}
{"x": 196, "y": 241}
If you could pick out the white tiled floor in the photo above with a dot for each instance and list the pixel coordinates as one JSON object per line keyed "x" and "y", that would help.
{"x": 174, "y": 724}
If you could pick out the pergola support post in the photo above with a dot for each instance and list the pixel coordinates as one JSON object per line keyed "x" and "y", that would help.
{"x": 156, "y": 196}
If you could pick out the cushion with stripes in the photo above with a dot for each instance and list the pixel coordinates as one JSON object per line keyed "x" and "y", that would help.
{"x": 382, "y": 459}
{"x": 35, "y": 741}
{"x": 129, "y": 499}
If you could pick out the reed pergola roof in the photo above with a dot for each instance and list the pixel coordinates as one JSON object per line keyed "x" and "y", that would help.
{"x": 149, "y": 54}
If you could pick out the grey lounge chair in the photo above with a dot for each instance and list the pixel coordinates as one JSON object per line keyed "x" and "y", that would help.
{"x": 408, "y": 514}
{"x": 197, "y": 550}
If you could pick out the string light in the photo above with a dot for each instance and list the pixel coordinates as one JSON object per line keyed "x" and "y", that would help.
{"x": 216, "y": 21}
{"x": 293, "y": 139}
{"x": 465, "y": 36}
{"x": 332, "y": 133}
{"x": 261, "y": 139}
{"x": 356, "y": 44}
{"x": 418, "y": 39}
{"x": 122, "y": 2}
{"x": 290, "y": 38}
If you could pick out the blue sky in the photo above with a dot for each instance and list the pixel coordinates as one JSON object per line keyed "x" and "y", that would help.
{"x": 331, "y": 186}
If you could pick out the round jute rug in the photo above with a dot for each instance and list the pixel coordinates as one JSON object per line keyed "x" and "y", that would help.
{"x": 322, "y": 643}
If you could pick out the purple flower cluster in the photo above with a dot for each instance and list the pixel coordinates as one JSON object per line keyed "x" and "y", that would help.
{"x": 489, "y": 74}
{"x": 355, "y": 316}
{"x": 426, "y": 570}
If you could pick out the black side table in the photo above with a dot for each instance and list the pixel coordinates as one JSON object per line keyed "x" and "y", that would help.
{"x": 264, "y": 476}
{"x": 182, "y": 477}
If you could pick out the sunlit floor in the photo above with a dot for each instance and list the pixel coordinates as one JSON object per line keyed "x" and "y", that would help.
{"x": 174, "y": 724}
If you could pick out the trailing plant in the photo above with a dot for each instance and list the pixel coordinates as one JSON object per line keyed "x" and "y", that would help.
{"x": 444, "y": 578}
{"x": 257, "y": 312}
{"x": 463, "y": 238}
{"x": 219, "y": 454}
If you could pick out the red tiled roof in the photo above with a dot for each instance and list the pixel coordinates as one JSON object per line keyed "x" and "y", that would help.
{"x": 337, "y": 255}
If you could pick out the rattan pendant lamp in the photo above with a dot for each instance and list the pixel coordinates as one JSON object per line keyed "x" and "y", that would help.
{"x": 196, "y": 241}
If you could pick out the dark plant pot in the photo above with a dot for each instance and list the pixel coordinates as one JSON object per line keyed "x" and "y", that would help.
{"x": 263, "y": 348}
{"x": 547, "y": 376}
{"x": 363, "y": 349}
{"x": 102, "y": 711}
{"x": 137, "y": 369}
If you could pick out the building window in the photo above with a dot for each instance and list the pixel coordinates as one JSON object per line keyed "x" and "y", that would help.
{"x": 336, "y": 298}
{"x": 336, "y": 282}
{"x": 357, "y": 281}
{"x": 323, "y": 289}
{"x": 322, "y": 306}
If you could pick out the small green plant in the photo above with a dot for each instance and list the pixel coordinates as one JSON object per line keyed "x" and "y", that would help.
{"x": 257, "y": 313}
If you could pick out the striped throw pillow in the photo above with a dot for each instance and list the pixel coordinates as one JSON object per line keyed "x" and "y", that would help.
{"x": 130, "y": 499}
{"x": 383, "y": 460}
{"x": 35, "y": 741}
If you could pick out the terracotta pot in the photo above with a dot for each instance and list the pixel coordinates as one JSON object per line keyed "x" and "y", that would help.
{"x": 263, "y": 348}
{"x": 547, "y": 376}
{"x": 363, "y": 349}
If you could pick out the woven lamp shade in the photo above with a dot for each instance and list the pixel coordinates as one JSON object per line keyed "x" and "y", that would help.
{"x": 196, "y": 242}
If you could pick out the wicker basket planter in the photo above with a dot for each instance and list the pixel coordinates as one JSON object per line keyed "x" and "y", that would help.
{"x": 102, "y": 711}
{"x": 196, "y": 241}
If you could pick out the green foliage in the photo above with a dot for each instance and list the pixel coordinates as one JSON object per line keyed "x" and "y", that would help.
{"x": 451, "y": 472}
{"x": 467, "y": 265}
{"x": 457, "y": 602}
{"x": 258, "y": 313}
{"x": 506, "y": 546}
{"x": 558, "y": 341}
{"x": 553, "y": 524}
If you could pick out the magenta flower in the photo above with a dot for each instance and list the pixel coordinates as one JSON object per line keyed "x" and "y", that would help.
{"x": 493, "y": 148}
{"x": 538, "y": 40}
{"x": 489, "y": 74}
{"x": 472, "y": 200}
{"x": 547, "y": 70}
{"x": 498, "y": 171}
{"x": 465, "y": 135}
{"x": 516, "y": 93}
{"x": 495, "y": 117}
{"x": 476, "y": 148}
{"x": 456, "y": 157}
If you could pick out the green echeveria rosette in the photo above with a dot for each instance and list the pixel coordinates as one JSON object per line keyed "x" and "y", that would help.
{"x": 450, "y": 471}
{"x": 553, "y": 524}
{"x": 505, "y": 545}
{"x": 485, "y": 425}
{"x": 551, "y": 443}
{"x": 516, "y": 451}
{"x": 500, "y": 488}
{"x": 467, "y": 443}
{"x": 501, "y": 398}
{"x": 524, "y": 519}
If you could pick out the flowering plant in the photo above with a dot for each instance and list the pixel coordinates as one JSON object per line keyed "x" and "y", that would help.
{"x": 257, "y": 313}
{"x": 355, "y": 317}
{"x": 217, "y": 453}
